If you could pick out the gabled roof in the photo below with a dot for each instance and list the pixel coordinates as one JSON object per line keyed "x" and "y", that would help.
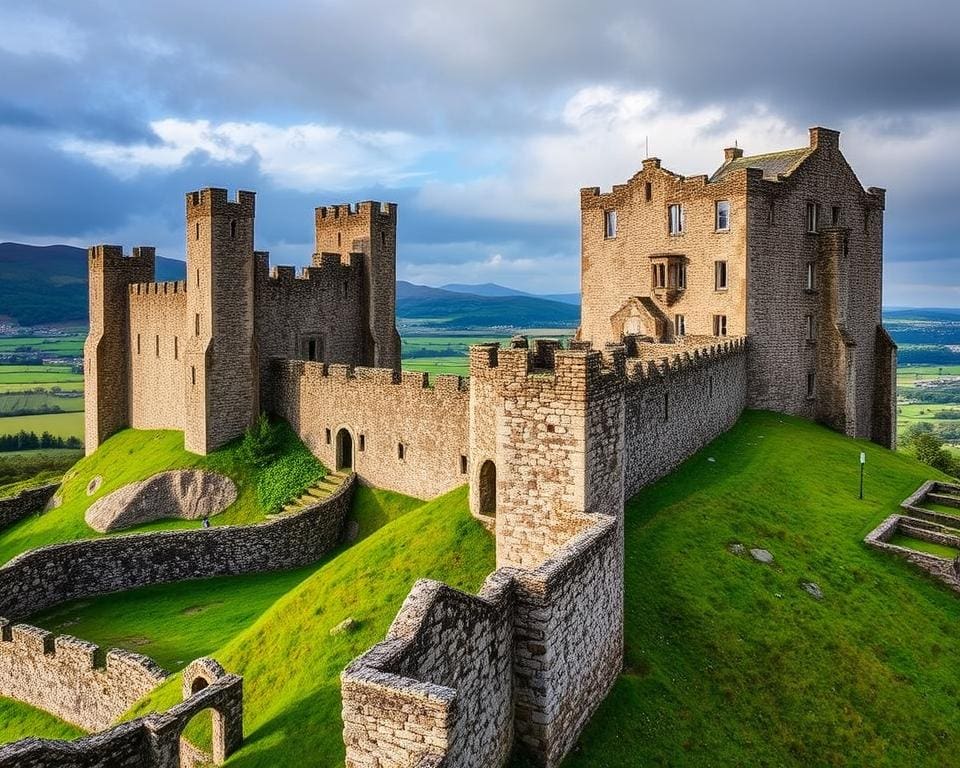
{"x": 773, "y": 164}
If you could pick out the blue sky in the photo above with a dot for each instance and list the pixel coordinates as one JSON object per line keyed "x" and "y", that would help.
{"x": 481, "y": 119}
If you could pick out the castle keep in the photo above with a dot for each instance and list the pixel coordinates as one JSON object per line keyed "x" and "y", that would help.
{"x": 194, "y": 355}
{"x": 758, "y": 286}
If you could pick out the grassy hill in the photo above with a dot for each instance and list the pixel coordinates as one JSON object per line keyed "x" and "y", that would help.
{"x": 728, "y": 661}
{"x": 132, "y": 455}
{"x": 48, "y": 285}
{"x": 17, "y": 719}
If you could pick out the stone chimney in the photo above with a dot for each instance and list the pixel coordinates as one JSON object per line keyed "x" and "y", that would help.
{"x": 824, "y": 138}
{"x": 732, "y": 153}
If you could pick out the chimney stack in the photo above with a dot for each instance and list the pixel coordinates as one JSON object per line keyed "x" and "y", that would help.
{"x": 732, "y": 153}
{"x": 824, "y": 138}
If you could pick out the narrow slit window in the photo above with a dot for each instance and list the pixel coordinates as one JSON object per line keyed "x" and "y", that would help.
{"x": 811, "y": 328}
{"x": 720, "y": 275}
{"x": 401, "y": 451}
{"x": 813, "y": 217}
{"x": 363, "y": 442}
{"x": 196, "y": 324}
{"x": 811, "y": 276}
{"x": 176, "y": 348}
{"x": 193, "y": 375}
{"x": 723, "y": 215}
{"x": 138, "y": 343}
{"x": 680, "y": 325}
{"x": 682, "y": 276}
{"x": 811, "y": 384}
{"x": 836, "y": 215}
{"x": 233, "y": 229}
{"x": 157, "y": 349}
{"x": 609, "y": 224}
{"x": 327, "y": 436}
{"x": 196, "y": 231}
{"x": 463, "y": 464}
{"x": 648, "y": 191}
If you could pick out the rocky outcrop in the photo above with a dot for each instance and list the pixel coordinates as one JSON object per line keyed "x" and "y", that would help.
{"x": 187, "y": 494}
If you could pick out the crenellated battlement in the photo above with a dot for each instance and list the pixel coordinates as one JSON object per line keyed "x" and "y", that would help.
{"x": 158, "y": 289}
{"x": 213, "y": 201}
{"x": 652, "y": 363}
{"x": 339, "y": 372}
{"x": 325, "y": 266}
{"x": 368, "y": 209}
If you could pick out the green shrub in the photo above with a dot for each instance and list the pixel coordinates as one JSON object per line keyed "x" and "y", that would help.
{"x": 260, "y": 444}
{"x": 293, "y": 470}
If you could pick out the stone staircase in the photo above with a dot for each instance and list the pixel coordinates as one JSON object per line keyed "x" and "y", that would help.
{"x": 317, "y": 492}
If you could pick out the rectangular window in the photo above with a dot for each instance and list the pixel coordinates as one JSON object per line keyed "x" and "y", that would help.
{"x": 675, "y": 219}
{"x": 659, "y": 275}
{"x": 196, "y": 324}
{"x": 312, "y": 349}
{"x": 463, "y": 464}
{"x": 811, "y": 327}
{"x": 772, "y": 214}
{"x": 648, "y": 191}
{"x": 836, "y": 216}
{"x": 811, "y": 384}
{"x": 327, "y": 436}
{"x": 401, "y": 451}
{"x": 811, "y": 276}
{"x": 813, "y": 217}
{"x": 723, "y": 215}
{"x": 679, "y": 325}
{"x": 682, "y": 276}
{"x": 719, "y": 325}
{"x": 609, "y": 224}
{"x": 720, "y": 275}
{"x": 363, "y": 442}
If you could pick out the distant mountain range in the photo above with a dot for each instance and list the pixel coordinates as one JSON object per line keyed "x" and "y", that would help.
{"x": 47, "y": 285}
{"x": 494, "y": 289}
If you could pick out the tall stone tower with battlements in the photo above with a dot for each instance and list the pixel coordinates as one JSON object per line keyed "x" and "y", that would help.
{"x": 194, "y": 355}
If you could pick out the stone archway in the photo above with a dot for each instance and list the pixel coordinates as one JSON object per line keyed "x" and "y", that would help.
{"x": 344, "y": 449}
{"x": 487, "y": 483}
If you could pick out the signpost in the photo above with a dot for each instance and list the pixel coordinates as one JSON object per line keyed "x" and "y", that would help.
{"x": 863, "y": 460}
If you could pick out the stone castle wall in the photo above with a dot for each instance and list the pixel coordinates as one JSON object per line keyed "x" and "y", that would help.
{"x": 48, "y": 576}
{"x": 27, "y": 502}
{"x": 678, "y": 404}
{"x": 534, "y": 652}
{"x": 71, "y": 678}
{"x": 153, "y": 741}
{"x": 381, "y": 410}
{"x": 158, "y": 322}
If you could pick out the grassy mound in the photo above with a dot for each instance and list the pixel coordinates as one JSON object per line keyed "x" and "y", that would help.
{"x": 730, "y": 662}
{"x": 290, "y": 662}
{"x": 133, "y": 455}
{"x": 19, "y": 720}
{"x": 177, "y": 623}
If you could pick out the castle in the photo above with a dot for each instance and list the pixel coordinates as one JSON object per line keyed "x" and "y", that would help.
{"x": 758, "y": 286}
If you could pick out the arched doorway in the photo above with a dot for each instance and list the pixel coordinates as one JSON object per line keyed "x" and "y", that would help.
{"x": 344, "y": 449}
{"x": 488, "y": 489}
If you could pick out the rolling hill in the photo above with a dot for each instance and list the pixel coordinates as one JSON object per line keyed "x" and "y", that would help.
{"x": 47, "y": 285}
{"x": 495, "y": 289}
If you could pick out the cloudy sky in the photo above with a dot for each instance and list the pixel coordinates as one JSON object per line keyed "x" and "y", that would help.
{"x": 482, "y": 119}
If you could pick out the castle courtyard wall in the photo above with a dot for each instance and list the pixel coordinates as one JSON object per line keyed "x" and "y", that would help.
{"x": 381, "y": 410}
{"x": 28, "y": 502}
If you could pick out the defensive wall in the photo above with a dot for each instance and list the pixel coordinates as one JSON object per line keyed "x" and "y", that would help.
{"x": 47, "y": 576}
{"x": 396, "y": 430}
{"x": 153, "y": 741}
{"x": 27, "y": 502}
{"x": 460, "y": 677}
{"x": 71, "y": 678}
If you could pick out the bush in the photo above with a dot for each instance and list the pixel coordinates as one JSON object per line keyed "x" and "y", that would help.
{"x": 260, "y": 444}
{"x": 929, "y": 449}
{"x": 287, "y": 478}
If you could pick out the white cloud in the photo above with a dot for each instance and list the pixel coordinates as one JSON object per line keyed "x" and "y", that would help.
{"x": 301, "y": 157}
{"x": 599, "y": 140}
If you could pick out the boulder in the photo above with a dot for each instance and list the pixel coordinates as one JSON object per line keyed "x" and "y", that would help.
{"x": 187, "y": 494}
{"x": 761, "y": 555}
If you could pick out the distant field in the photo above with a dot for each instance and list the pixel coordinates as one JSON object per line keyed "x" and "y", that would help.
{"x": 38, "y": 375}
{"x": 71, "y": 345}
{"x": 449, "y": 353}
{"x": 13, "y": 402}
{"x": 57, "y": 424}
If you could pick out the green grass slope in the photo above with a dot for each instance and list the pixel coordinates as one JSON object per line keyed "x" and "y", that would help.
{"x": 177, "y": 623}
{"x": 132, "y": 455}
{"x": 729, "y": 662}
{"x": 290, "y": 662}
{"x": 18, "y": 720}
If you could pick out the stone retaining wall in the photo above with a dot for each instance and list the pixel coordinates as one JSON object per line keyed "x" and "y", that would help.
{"x": 44, "y": 577}
{"x": 534, "y": 652}
{"x": 71, "y": 678}
{"x": 27, "y": 502}
{"x": 940, "y": 568}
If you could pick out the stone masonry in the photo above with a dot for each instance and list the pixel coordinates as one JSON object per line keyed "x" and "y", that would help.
{"x": 27, "y": 502}
{"x": 194, "y": 355}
